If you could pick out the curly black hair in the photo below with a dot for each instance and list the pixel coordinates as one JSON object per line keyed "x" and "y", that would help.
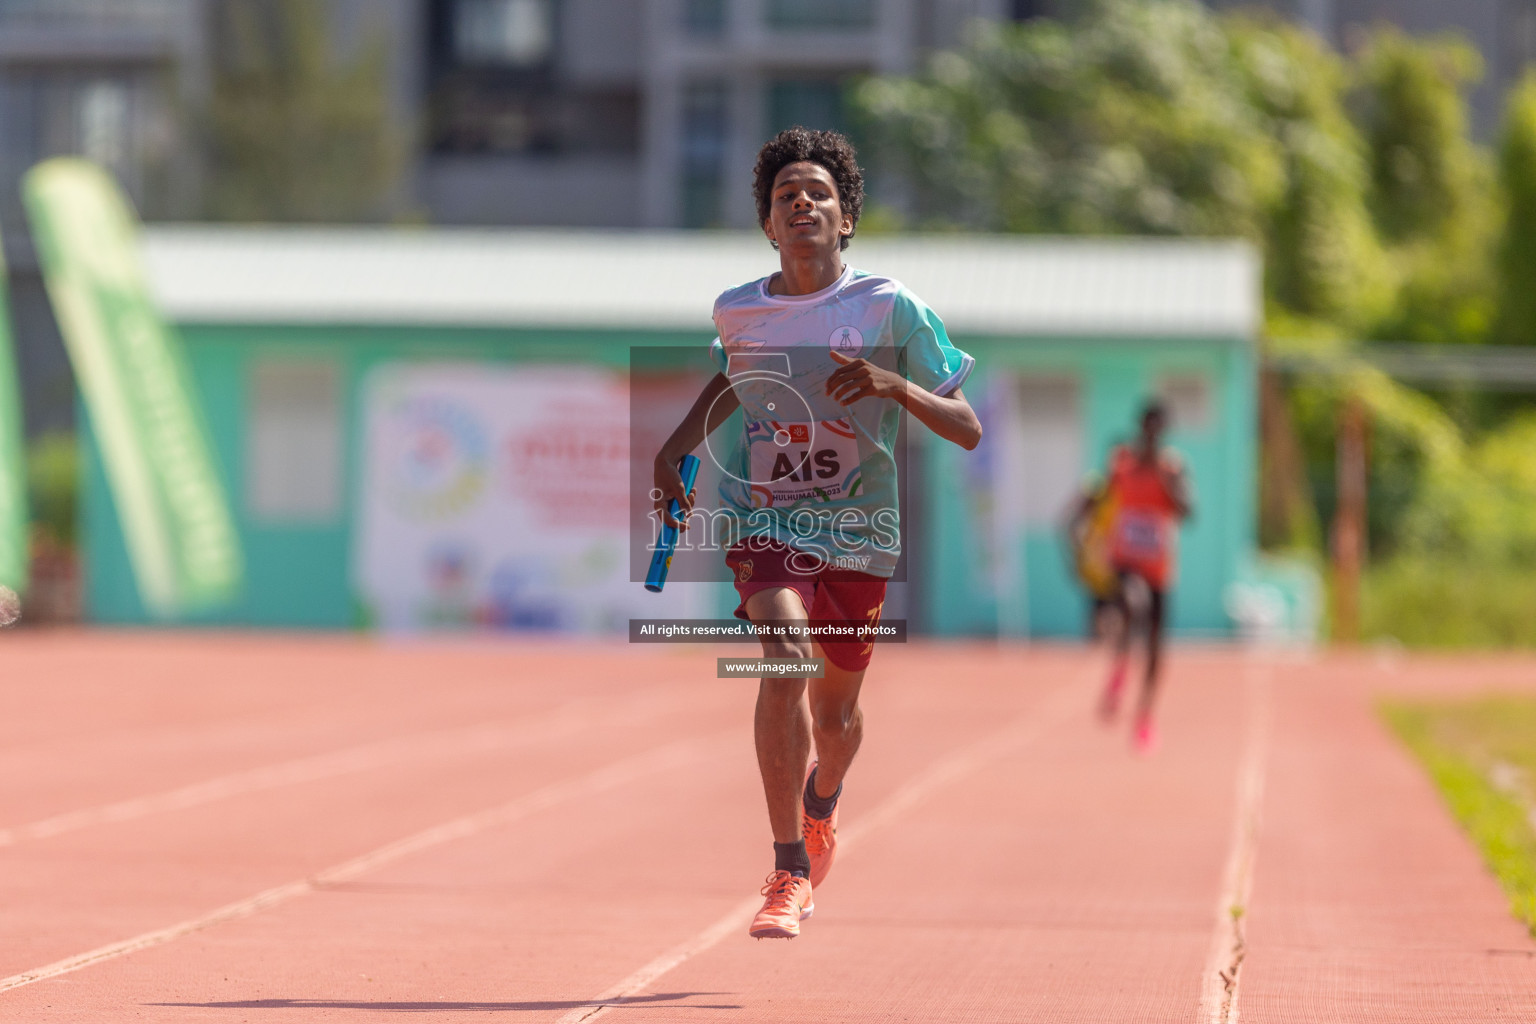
{"x": 829, "y": 149}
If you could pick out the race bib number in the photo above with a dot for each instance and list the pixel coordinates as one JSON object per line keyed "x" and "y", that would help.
{"x": 802, "y": 463}
{"x": 1140, "y": 536}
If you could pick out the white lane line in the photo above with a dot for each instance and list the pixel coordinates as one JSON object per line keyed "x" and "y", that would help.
{"x": 564, "y": 721}
{"x": 619, "y": 773}
{"x": 1067, "y": 702}
{"x": 1224, "y": 961}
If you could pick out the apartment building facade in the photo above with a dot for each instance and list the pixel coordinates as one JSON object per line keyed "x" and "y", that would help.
{"x": 631, "y": 114}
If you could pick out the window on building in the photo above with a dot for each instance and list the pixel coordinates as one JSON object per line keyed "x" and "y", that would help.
{"x": 293, "y": 469}
{"x": 1188, "y": 398}
{"x": 102, "y": 117}
{"x": 821, "y": 13}
{"x": 705, "y": 124}
{"x": 115, "y": 117}
{"x": 704, "y": 17}
{"x": 511, "y": 33}
{"x": 494, "y": 85}
{"x": 1051, "y": 447}
{"x": 809, "y": 102}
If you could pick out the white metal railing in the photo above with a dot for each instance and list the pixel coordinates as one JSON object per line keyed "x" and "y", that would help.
{"x": 1493, "y": 367}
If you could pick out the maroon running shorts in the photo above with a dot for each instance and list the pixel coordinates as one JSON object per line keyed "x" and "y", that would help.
{"x": 829, "y": 594}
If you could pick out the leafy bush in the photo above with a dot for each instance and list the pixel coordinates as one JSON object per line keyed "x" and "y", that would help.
{"x": 1425, "y": 601}
{"x": 53, "y": 479}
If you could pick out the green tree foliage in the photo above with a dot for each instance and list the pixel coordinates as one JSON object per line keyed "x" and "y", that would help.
{"x": 1432, "y": 192}
{"x": 1481, "y": 508}
{"x": 1356, "y": 176}
{"x": 1412, "y": 439}
{"x": 294, "y": 133}
{"x": 1410, "y": 107}
{"x": 1460, "y": 571}
{"x": 1323, "y": 258}
{"x": 53, "y": 474}
{"x": 1126, "y": 122}
{"x": 1517, "y": 247}
{"x": 1146, "y": 117}
{"x": 1378, "y": 216}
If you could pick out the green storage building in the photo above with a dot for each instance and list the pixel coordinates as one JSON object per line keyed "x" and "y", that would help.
{"x": 304, "y": 342}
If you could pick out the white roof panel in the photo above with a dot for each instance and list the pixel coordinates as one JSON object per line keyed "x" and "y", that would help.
{"x": 1011, "y": 285}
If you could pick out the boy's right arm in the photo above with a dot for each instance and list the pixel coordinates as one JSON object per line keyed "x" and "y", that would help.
{"x": 713, "y": 407}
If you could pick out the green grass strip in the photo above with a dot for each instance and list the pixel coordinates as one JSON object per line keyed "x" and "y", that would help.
{"x": 1447, "y": 740}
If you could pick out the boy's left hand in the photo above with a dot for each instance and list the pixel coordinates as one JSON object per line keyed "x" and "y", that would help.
{"x": 859, "y": 378}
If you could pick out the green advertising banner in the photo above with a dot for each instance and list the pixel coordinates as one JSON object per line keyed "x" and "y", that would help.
{"x": 13, "y": 472}
{"x": 137, "y": 388}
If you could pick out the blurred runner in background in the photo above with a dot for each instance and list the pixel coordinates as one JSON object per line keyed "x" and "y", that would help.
{"x": 1131, "y": 525}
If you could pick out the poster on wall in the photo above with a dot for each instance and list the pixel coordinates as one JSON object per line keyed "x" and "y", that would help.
{"x": 497, "y": 497}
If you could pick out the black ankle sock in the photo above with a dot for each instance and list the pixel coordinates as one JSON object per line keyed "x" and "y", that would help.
{"x": 792, "y": 857}
{"x": 816, "y": 806}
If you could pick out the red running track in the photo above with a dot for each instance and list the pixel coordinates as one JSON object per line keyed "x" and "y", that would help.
{"x": 215, "y": 828}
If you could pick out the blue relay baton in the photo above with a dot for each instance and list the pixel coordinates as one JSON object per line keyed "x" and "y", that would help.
{"x": 661, "y": 561}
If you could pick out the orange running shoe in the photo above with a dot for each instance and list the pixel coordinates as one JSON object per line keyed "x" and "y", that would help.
{"x": 788, "y": 903}
{"x": 820, "y": 836}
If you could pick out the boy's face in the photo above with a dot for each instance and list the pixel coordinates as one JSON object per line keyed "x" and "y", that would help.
{"x": 804, "y": 214}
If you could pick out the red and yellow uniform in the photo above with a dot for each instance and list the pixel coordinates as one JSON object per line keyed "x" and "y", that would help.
{"x": 1145, "y": 535}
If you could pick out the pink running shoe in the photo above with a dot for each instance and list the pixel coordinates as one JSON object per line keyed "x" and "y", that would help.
{"x": 1144, "y": 738}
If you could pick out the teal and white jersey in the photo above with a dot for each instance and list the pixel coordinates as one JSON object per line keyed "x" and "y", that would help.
{"x": 819, "y": 476}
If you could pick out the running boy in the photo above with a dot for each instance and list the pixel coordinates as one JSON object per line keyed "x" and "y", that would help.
{"x": 821, "y": 359}
{"x": 1150, "y": 492}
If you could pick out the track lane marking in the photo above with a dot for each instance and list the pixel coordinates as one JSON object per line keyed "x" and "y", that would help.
{"x": 1224, "y": 961}
{"x": 611, "y": 776}
{"x": 1054, "y": 710}
{"x": 564, "y": 721}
